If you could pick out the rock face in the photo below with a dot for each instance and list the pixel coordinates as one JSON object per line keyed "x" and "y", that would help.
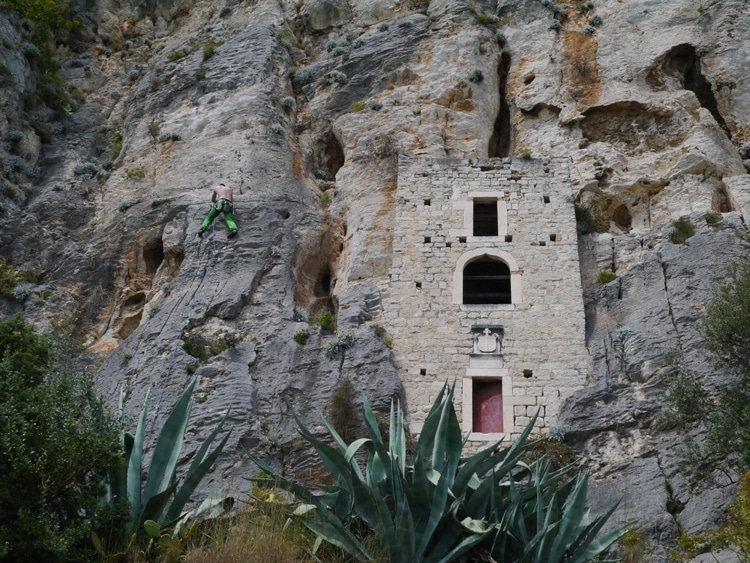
{"x": 303, "y": 108}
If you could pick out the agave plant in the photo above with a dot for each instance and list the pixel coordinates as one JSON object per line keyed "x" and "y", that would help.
{"x": 442, "y": 505}
{"x": 161, "y": 499}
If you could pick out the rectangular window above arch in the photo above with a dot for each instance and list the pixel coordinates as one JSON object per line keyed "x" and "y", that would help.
{"x": 485, "y": 223}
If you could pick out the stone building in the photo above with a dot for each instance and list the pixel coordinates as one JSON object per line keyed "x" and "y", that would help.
{"x": 485, "y": 289}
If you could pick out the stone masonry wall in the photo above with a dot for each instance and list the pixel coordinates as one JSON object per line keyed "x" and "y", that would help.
{"x": 542, "y": 357}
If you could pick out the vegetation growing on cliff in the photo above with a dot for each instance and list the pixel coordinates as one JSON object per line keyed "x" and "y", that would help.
{"x": 56, "y": 450}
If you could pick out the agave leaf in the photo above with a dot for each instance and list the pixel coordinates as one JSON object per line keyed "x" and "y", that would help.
{"x": 156, "y": 504}
{"x": 571, "y": 524}
{"x": 331, "y": 529}
{"x": 195, "y": 475}
{"x": 425, "y": 444}
{"x": 168, "y": 445}
{"x": 437, "y": 507}
{"x": 397, "y": 439}
{"x": 446, "y": 452}
{"x": 135, "y": 458}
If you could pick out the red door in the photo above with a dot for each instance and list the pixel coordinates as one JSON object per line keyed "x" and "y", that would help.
{"x": 488, "y": 406}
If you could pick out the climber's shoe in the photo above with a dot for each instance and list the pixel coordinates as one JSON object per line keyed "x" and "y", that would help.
{"x": 232, "y": 234}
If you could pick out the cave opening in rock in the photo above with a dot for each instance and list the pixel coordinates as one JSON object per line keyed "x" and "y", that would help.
{"x": 153, "y": 255}
{"x": 499, "y": 145}
{"x": 684, "y": 60}
{"x": 329, "y": 157}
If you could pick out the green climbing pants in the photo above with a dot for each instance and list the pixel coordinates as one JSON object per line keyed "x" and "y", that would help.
{"x": 228, "y": 219}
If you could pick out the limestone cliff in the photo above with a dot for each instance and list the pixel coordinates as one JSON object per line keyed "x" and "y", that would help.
{"x": 303, "y": 106}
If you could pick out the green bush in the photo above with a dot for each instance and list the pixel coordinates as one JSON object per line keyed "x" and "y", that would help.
{"x": 210, "y": 48}
{"x": 56, "y": 450}
{"x": 133, "y": 174}
{"x": 440, "y": 505}
{"x": 10, "y": 277}
{"x": 325, "y": 319}
{"x": 301, "y": 337}
{"x": 713, "y": 218}
{"x": 176, "y": 55}
{"x": 606, "y": 276}
{"x": 588, "y": 221}
{"x": 682, "y": 229}
{"x": 356, "y": 107}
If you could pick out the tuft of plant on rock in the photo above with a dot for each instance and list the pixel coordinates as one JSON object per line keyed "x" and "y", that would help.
{"x": 606, "y": 276}
{"x": 682, "y": 229}
{"x": 439, "y": 505}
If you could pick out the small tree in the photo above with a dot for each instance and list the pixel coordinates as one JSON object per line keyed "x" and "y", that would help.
{"x": 56, "y": 450}
{"x": 726, "y": 328}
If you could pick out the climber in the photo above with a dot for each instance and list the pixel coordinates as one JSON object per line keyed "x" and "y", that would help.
{"x": 221, "y": 202}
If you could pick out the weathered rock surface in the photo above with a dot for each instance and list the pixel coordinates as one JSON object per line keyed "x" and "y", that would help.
{"x": 650, "y": 103}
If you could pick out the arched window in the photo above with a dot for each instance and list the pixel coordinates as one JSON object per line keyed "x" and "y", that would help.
{"x": 486, "y": 281}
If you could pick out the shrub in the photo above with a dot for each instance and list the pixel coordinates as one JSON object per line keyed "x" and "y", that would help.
{"x": 525, "y": 153}
{"x": 375, "y": 105}
{"x": 340, "y": 411}
{"x": 133, "y": 174}
{"x": 588, "y": 222}
{"x": 86, "y": 169}
{"x": 476, "y": 75}
{"x": 30, "y": 50}
{"x": 682, "y": 229}
{"x": 339, "y": 51}
{"x": 448, "y": 505}
{"x": 57, "y": 449}
{"x": 169, "y": 136}
{"x": 337, "y": 77}
{"x": 481, "y": 19}
{"x": 606, "y": 276}
{"x": 299, "y": 315}
{"x": 358, "y": 43}
{"x": 383, "y": 335}
{"x": 176, "y": 55}
{"x": 589, "y": 29}
{"x": 325, "y": 320}
{"x": 303, "y": 75}
{"x": 14, "y": 137}
{"x": 210, "y": 48}
{"x": 596, "y": 21}
{"x": 288, "y": 102}
{"x": 501, "y": 39}
{"x": 13, "y": 167}
{"x": 301, "y": 337}
{"x": 336, "y": 346}
{"x": 713, "y": 218}
{"x": 200, "y": 74}
{"x": 356, "y": 107}
{"x": 383, "y": 27}
{"x": 277, "y": 128}
{"x": 191, "y": 368}
{"x": 325, "y": 199}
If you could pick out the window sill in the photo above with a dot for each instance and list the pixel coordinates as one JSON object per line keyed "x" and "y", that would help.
{"x": 488, "y": 307}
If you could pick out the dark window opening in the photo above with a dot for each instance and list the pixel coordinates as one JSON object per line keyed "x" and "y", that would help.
{"x": 487, "y": 406}
{"x": 527, "y": 373}
{"x": 487, "y": 282}
{"x": 546, "y": 199}
{"x": 418, "y": 285}
{"x": 447, "y": 245}
{"x": 427, "y": 202}
{"x": 553, "y": 238}
{"x": 428, "y": 239}
{"x": 422, "y": 371}
{"x": 508, "y": 238}
{"x": 485, "y": 218}
{"x": 462, "y": 240}
{"x": 542, "y": 243}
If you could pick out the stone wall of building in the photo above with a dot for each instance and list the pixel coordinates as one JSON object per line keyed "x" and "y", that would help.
{"x": 534, "y": 345}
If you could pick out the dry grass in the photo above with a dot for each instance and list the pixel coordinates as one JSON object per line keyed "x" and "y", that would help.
{"x": 256, "y": 534}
